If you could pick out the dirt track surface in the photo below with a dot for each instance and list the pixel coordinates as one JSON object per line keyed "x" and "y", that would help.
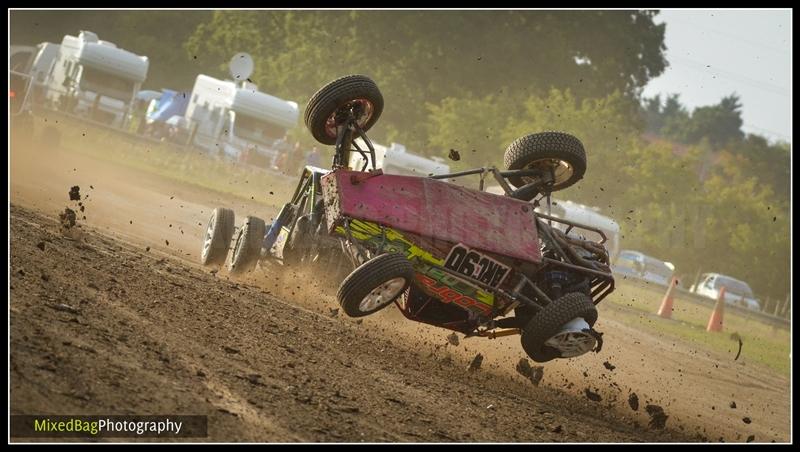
{"x": 156, "y": 333}
{"x": 100, "y": 326}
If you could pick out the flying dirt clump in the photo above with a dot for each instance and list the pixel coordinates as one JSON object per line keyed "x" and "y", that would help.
{"x": 454, "y": 155}
{"x": 633, "y": 401}
{"x": 534, "y": 374}
{"x": 452, "y": 339}
{"x": 476, "y": 363}
{"x": 68, "y": 219}
{"x": 658, "y": 419}
{"x": 593, "y": 396}
{"x": 75, "y": 193}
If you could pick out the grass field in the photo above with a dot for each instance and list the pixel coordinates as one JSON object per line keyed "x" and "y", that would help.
{"x": 762, "y": 343}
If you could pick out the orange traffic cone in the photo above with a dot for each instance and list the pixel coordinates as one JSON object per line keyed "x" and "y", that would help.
{"x": 715, "y": 321}
{"x": 666, "y": 304}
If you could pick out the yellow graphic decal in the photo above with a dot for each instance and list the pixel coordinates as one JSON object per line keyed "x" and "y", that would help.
{"x": 370, "y": 232}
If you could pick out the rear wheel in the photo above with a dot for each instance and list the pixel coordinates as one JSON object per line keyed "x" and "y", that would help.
{"x": 559, "y": 152}
{"x": 561, "y": 329}
{"x": 375, "y": 284}
{"x": 247, "y": 249}
{"x": 356, "y": 92}
{"x": 217, "y": 239}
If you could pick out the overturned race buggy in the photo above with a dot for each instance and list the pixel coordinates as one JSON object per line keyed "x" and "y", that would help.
{"x": 458, "y": 258}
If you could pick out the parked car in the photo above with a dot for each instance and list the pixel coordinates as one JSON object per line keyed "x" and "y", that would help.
{"x": 736, "y": 292}
{"x": 634, "y": 264}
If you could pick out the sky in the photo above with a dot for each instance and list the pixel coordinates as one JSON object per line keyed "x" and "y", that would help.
{"x": 713, "y": 53}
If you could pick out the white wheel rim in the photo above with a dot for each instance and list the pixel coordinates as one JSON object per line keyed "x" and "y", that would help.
{"x": 382, "y": 294}
{"x": 209, "y": 235}
{"x": 574, "y": 339}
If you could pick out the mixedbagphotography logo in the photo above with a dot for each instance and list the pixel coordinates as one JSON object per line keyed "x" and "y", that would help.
{"x": 112, "y": 426}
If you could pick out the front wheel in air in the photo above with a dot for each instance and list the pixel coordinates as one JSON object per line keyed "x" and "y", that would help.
{"x": 358, "y": 93}
{"x": 217, "y": 239}
{"x": 247, "y": 248}
{"x": 375, "y": 284}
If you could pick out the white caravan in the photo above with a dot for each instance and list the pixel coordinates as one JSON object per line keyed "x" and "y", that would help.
{"x": 238, "y": 120}
{"x": 95, "y": 79}
{"x": 395, "y": 159}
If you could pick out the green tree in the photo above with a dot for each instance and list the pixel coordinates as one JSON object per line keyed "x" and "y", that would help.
{"x": 721, "y": 124}
{"x": 423, "y": 57}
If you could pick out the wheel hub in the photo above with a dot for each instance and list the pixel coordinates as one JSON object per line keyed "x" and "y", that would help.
{"x": 382, "y": 294}
{"x": 574, "y": 339}
{"x": 562, "y": 171}
{"x": 364, "y": 108}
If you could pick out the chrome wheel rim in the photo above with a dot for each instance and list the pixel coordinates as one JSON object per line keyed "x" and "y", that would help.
{"x": 209, "y": 236}
{"x": 382, "y": 295}
{"x": 574, "y": 339}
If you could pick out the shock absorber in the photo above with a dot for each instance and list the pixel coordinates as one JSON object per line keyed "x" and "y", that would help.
{"x": 554, "y": 282}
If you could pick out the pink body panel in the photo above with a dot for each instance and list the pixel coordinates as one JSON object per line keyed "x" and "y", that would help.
{"x": 436, "y": 209}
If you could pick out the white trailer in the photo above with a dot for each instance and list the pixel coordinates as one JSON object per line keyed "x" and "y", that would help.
{"x": 238, "y": 120}
{"x": 95, "y": 79}
{"x": 395, "y": 159}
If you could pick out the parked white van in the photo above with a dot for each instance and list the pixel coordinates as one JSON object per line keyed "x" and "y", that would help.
{"x": 736, "y": 292}
{"x": 95, "y": 79}
{"x": 641, "y": 266}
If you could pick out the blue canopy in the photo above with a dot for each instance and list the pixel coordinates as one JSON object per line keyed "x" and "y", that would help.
{"x": 171, "y": 103}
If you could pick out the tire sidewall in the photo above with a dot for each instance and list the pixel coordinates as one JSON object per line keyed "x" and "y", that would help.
{"x": 220, "y": 237}
{"x": 246, "y": 251}
{"x": 370, "y": 275}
